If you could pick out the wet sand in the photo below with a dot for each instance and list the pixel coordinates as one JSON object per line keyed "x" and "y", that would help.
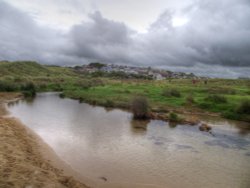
{"x": 25, "y": 160}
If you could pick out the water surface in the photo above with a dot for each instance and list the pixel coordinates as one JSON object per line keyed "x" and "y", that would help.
{"x": 99, "y": 143}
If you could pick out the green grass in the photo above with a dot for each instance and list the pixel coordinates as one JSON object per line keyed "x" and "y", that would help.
{"x": 119, "y": 92}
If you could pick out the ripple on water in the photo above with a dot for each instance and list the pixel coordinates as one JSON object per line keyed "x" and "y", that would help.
{"x": 229, "y": 142}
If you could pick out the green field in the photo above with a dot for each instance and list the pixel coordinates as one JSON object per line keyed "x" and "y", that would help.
{"x": 229, "y": 98}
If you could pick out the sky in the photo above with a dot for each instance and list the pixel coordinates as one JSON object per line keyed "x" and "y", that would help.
{"x": 206, "y": 37}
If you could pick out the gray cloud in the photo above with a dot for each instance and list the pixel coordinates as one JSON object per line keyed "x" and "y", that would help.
{"x": 100, "y": 39}
{"x": 214, "y": 42}
{"x": 21, "y": 38}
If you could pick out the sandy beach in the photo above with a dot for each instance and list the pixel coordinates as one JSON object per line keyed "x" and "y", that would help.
{"x": 25, "y": 161}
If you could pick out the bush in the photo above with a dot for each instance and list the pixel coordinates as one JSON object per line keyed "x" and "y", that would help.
{"x": 84, "y": 84}
{"x": 231, "y": 115}
{"x": 140, "y": 108}
{"x": 8, "y": 86}
{"x": 216, "y": 99}
{"x": 173, "y": 117}
{"x": 62, "y": 95}
{"x": 96, "y": 82}
{"x": 171, "y": 93}
{"x": 205, "y": 105}
{"x": 29, "y": 93}
{"x": 109, "y": 103}
{"x": 28, "y": 89}
{"x": 244, "y": 107}
{"x": 190, "y": 99}
{"x": 81, "y": 100}
{"x": 220, "y": 90}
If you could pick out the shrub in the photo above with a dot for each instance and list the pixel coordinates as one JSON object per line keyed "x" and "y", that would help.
{"x": 126, "y": 91}
{"x": 140, "y": 107}
{"x": 171, "y": 93}
{"x": 231, "y": 115}
{"x": 81, "y": 100}
{"x": 220, "y": 90}
{"x": 173, "y": 117}
{"x": 205, "y": 105}
{"x": 216, "y": 99}
{"x": 28, "y": 89}
{"x": 190, "y": 99}
{"x": 8, "y": 86}
{"x": 84, "y": 84}
{"x": 109, "y": 103}
{"x": 97, "y": 82}
{"x": 29, "y": 93}
{"x": 42, "y": 86}
{"x": 244, "y": 107}
{"x": 62, "y": 95}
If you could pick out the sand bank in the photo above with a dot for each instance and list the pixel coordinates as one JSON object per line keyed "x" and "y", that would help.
{"x": 25, "y": 161}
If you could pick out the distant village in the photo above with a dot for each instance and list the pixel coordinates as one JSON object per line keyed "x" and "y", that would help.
{"x": 147, "y": 72}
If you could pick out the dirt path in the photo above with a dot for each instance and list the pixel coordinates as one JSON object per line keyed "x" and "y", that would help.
{"x": 22, "y": 164}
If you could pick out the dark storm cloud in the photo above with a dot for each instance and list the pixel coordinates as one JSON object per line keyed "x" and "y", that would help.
{"x": 215, "y": 40}
{"x": 217, "y": 34}
{"x": 100, "y": 39}
{"x": 22, "y": 39}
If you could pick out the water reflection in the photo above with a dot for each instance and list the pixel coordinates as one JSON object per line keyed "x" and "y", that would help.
{"x": 172, "y": 124}
{"x": 139, "y": 124}
{"x": 13, "y": 103}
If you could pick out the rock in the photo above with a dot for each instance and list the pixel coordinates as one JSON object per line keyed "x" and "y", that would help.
{"x": 104, "y": 179}
{"x": 205, "y": 127}
{"x": 193, "y": 120}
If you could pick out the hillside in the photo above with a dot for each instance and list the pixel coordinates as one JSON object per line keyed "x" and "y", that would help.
{"x": 22, "y": 68}
{"x": 15, "y": 75}
{"x": 32, "y": 69}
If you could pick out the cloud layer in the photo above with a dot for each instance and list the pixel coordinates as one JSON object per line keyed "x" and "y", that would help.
{"x": 215, "y": 40}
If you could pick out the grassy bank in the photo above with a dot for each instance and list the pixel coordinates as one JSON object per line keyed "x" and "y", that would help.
{"x": 228, "y": 98}
{"x": 218, "y": 96}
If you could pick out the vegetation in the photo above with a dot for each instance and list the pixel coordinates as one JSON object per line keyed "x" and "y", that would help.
{"x": 119, "y": 75}
{"x": 216, "y": 99}
{"x": 173, "y": 117}
{"x": 241, "y": 112}
{"x": 28, "y": 90}
{"x": 140, "y": 107}
{"x": 217, "y": 96}
{"x": 171, "y": 93}
{"x": 96, "y": 65}
{"x": 244, "y": 108}
{"x": 190, "y": 100}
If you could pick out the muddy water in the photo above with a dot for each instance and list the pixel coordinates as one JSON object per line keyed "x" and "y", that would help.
{"x": 107, "y": 146}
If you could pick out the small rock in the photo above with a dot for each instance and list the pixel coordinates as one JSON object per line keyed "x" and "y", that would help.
{"x": 104, "y": 179}
{"x": 205, "y": 127}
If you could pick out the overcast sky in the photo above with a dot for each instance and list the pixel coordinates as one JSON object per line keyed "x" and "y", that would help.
{"x": 207, "y": 37}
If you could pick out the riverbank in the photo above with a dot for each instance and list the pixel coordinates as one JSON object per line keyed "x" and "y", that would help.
{"x": 25, "y": 160}
{"x": 225, "y": 98}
